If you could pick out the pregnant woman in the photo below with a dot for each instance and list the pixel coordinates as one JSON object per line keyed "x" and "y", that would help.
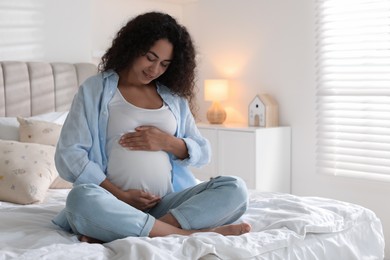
{"x": 128, "y": 141}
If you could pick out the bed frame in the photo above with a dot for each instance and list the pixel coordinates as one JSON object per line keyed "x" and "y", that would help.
{"x": 32, "y": 88}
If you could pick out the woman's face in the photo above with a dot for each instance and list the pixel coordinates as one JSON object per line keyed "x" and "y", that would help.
{"x": 154, "y": 63}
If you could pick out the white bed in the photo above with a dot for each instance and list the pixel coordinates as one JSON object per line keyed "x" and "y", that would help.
{"x": 284, "y": 226}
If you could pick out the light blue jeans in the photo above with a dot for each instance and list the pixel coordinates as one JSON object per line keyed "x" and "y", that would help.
{"x": 92, "y": 211}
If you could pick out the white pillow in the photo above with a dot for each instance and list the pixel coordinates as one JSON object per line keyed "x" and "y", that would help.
{"x": 53, "y": 117}
{"x": 9, "y": 125}
{"x": 9, "y": 128}
{"x": 26, "y": 171}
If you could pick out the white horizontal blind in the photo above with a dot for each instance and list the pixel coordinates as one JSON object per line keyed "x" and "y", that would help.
{"x": 353, "y": 88}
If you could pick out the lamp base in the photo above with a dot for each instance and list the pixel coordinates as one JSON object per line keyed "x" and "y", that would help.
{"x": 216, "y": 114}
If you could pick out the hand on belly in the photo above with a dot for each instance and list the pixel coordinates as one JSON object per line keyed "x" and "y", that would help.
{"x": 142, "y": 170}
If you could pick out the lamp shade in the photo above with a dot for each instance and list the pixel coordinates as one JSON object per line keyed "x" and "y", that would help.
{"x": 215, "y": 89}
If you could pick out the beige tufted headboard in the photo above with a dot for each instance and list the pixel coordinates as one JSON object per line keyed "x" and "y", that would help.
{"x": 32, "y": 88}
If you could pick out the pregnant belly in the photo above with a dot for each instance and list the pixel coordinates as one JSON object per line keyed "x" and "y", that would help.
{"x": 144, "y": 170}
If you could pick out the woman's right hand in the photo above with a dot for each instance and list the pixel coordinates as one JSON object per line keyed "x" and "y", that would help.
{"x": 140, "y": 199}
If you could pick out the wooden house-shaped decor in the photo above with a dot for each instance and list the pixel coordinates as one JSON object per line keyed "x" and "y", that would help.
{"x": 263, "y": 111}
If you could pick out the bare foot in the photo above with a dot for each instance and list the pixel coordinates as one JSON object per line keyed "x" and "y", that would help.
{"x": 90, "y": 240}
{"x": 161, "y": 229}
{"x": 226, "y": 230}
{"x": 233, "y": 229}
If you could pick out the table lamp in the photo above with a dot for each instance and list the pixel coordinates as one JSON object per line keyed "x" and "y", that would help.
{"x": 216, "y": 90}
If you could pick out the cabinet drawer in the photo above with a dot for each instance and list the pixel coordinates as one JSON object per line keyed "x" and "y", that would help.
{"x": 236, "y": 153}
{"x": 260, "y": 156}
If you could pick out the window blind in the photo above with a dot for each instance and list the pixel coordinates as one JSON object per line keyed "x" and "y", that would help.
{"x": 353, "y": 88}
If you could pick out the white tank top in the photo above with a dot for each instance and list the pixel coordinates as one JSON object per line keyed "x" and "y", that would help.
{"x": 144, "y": 170}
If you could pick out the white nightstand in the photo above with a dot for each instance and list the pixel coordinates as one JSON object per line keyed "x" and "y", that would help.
{"x": 260, "y": 156}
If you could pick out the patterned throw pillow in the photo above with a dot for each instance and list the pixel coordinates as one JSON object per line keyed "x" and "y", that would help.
{"x": 36, "y": 131}
{"x": 42, "y": 132}
{"x": 26, "y": 171}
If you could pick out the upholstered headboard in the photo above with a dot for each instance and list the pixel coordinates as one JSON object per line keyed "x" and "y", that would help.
{"x": 32, "y": 88}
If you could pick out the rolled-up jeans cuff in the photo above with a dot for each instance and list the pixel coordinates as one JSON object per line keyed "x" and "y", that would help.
{"x": 184, "y": 224}
{"x": 148, "y": 226}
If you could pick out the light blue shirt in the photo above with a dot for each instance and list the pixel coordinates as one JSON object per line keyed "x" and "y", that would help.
{"x": 80, "y": 155}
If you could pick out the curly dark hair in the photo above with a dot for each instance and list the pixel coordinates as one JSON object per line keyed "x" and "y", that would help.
{"x": 139, "y": 35}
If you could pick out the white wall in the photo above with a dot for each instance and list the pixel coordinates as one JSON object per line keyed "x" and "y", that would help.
{"x": 109, "y": 16}
{"x": 268, "y": 46}
{"x": 52, "y": 30}
{"x": 259, "y": 45}
{"x": 67, "y": 30}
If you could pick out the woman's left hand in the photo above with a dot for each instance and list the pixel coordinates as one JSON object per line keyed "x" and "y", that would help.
{"x": 150, "y": 138}
{"x": 145, "y": 138}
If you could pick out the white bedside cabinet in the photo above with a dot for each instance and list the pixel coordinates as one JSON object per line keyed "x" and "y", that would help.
{"x": 260, "y": 156}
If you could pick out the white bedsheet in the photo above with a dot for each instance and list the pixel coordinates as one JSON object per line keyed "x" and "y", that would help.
{"x": 284, "y": 227}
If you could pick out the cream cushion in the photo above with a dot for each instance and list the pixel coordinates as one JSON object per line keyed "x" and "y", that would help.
{"x": 60, "y": 183}
{"x": 36, "y": 131}
{"x": 42, "y": 132}
{"x": 26, "y": 171}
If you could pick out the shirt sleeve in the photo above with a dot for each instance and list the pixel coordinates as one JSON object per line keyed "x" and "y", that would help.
{"x": 198, "y": 147}
{"x": 75, "y": 146}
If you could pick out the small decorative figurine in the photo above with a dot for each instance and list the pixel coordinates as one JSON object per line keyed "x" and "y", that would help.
{"x": 263, "y": 111}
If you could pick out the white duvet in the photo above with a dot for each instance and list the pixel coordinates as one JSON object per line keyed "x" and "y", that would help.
{"x": 283, "y": 227}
